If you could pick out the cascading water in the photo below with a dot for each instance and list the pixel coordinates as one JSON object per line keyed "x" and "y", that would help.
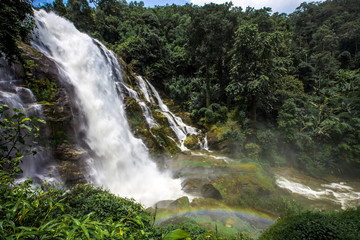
{"x": 122, "y": 163}
{"x": 144, "y": 89}
{"x": 14, "y": 94}
{"x": 145, "y": 109}
{"x": 338, "y": 193}
{"x": 180, "y": 129}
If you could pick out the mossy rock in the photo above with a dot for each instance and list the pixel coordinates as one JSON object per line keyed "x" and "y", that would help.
{"x": 180, "y": 203}
{"x": 156, "y": 139}
{"x": 249, "y": 178}
{"x": 134, "y": 114}
{"x": 40, "y": 74}
{"x": 163, "y": 124}
{"x": 192, "y": 142}
{"x": 164, "y": 141}
{"x": 208, "y": 203}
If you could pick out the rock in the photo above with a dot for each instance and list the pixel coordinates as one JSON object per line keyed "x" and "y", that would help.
{"x": 72, "y": 162}
{"x": 174, "y": 221}
{"x": 193, "y": 185}
{"x": 208, "y": 203}
{"x": 192, "y": 142}
{"x": 69, "y": 152}
{"x": 25, "y": 95}
{"x": 163, "y": 204}
{"x": 209, "y": 191}
{"x": 180, "y": 203}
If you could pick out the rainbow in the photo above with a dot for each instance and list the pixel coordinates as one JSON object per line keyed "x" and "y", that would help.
{"x": 259, "y": 219}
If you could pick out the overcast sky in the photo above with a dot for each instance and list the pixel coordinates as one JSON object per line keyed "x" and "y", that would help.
{"x": 287, "y": 6}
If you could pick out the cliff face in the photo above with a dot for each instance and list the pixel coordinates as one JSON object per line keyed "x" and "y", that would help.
{"x": 61, "y": 113}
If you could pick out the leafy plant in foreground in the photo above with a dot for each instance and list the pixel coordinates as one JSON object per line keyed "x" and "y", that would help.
{"x": 18, "y": 134}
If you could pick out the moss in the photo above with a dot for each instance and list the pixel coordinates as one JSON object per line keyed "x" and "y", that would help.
{"x": 164, "y": 141}
{"x": 192, "y": 142}
{"x": 134, "y": 114}
{"x": 42, "y": 87}
{"x": 156, "y": 139}
{"x": 244, "y": 178}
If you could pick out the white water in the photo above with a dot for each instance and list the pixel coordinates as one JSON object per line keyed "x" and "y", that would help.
{"x": 144, "y": 89}
{"x": 181, "y": 130}
{"x": 149, "y": 118}
{"x": 204, "y": 145}
{"x": 225, "y": 159}
{"x": 122, "y": 163}
{"x": 341, "y": 194}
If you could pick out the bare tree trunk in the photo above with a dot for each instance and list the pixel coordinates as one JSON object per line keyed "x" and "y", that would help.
{"x": 253, "y": 111}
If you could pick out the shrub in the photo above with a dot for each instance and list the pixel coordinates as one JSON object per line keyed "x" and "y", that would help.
{"x": 316, "y": 225}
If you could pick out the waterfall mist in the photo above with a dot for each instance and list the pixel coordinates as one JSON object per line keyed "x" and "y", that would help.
{"x": 121, "y": 163}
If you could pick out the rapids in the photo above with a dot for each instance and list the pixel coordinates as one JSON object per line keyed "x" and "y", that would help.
{"x": 322, "y": 194}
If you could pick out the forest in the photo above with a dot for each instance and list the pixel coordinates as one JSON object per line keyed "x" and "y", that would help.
{"x": 272, "y": 88}
{"x": 286, "y": 87}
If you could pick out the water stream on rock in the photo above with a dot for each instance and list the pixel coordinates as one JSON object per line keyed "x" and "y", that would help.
{"x": 340, "y": 193}
{"x": 181, "y": 130}
{"x": 122, "y": 164}
{"x": 14, "y": 93}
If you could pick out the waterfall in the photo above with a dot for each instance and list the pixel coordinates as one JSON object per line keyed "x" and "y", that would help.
{"x": 122, "y": 163}
{"x": 181, "y": 130}
{"x": 13, "y": 93}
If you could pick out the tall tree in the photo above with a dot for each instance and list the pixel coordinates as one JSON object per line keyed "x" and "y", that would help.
{"x": 254, "y": 66}
{"x": 210, "y": 39}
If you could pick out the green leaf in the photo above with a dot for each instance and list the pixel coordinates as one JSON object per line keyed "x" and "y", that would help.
{"x": 177, "y": 235}
{"x": 25, "y": 119}
{"x": 26, "y": 127}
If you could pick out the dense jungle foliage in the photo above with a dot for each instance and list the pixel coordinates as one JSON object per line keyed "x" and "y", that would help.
{"x": 288, "y": 83}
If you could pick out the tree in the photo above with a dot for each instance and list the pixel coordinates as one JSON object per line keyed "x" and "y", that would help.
{"x": 79, "y": 12}
{"x": 59, "y": 7}
{"x": 254, "y": 66}
{"x": 16, "y": 22}
{"x": 210, "y": 40}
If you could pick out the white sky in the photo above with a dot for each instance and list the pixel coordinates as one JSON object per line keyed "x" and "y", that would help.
{"x": 287, "y": 6}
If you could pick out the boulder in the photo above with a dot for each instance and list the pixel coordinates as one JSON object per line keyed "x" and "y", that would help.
{"x": 209, "y": 191}
{"x": 193, "y": 185}
{"x": 192, "y": 142}
{"x": 180, "y": 203}
{"x": 163, "y": 204}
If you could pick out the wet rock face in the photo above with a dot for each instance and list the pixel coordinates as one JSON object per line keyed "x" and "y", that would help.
{"x": 180, "y": 203}
{"x": 25, "y": 95}
{"x": 60, "y": 112}
{"x": 192, "y": 186}
{"x": 72, "y": 163}
{"x": 209, "y": 191}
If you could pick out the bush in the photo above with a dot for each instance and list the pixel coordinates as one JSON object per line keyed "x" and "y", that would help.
{"x": 316, "y": 225}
